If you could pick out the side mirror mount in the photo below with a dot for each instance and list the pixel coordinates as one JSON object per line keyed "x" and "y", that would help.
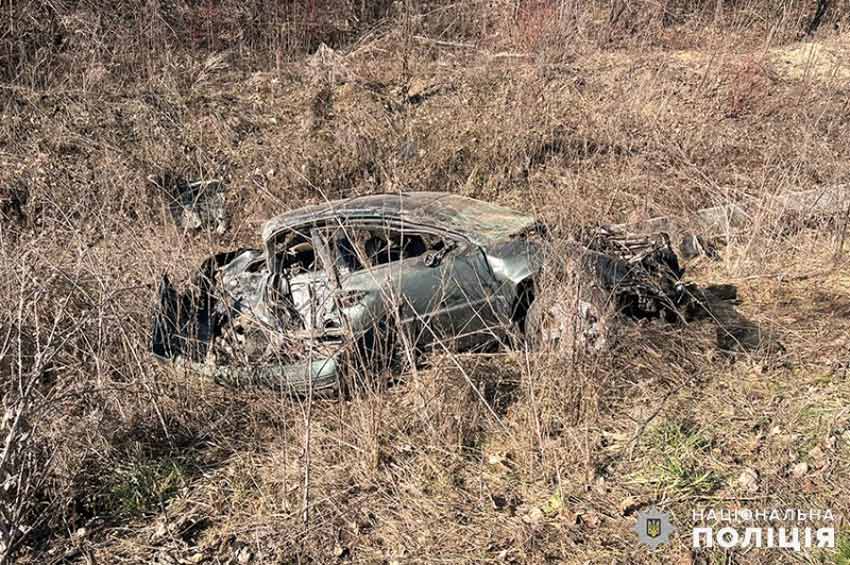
{"x": 432, "y": 258}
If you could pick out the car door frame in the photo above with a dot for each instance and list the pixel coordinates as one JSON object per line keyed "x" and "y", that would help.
{"x": 428, "y": 324}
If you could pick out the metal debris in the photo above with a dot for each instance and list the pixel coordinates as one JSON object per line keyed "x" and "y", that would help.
{"x": 194, "y": 205}
{"x": 352, "y": 283}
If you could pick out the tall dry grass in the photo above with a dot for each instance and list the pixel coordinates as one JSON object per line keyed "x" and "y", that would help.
{"x": 613, "y": 111}
{"x": 48, "y": 43}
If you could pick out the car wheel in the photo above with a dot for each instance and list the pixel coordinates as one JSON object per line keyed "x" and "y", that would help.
{"x": 549, "y": 326}
{"x": 535, "y": 326}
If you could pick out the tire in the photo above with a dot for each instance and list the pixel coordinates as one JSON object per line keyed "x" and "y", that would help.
{"x": 585, "y": 327}
{"x": 534, "y": 319}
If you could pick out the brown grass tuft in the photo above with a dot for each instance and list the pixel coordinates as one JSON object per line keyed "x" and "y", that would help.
{"x": 577, "y": 112}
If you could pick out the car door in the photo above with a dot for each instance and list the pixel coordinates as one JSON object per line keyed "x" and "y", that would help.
{"x": 465, "y": 306}
{"x": 438, "y": 288}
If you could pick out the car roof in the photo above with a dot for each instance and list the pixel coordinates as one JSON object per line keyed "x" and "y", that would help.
{"x": 481, "y": 222}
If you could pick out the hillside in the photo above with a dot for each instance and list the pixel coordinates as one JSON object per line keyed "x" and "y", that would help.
{"x": 579, "y": 114}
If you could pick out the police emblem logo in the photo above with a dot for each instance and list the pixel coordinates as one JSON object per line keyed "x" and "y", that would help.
{"x": 653, "y": 527}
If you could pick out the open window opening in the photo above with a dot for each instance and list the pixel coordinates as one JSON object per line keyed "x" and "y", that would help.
{"x": 358, "y": 248}
{"x": 295, "y": 254}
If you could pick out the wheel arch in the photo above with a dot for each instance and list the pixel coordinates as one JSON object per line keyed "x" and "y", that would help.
{"x": 526, "y": 291}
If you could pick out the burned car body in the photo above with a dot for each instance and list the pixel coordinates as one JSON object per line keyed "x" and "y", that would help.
{"x": 352, "y": 282}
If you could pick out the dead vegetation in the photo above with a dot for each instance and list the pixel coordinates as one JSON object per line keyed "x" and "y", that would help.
{"x": 579, "y": 112}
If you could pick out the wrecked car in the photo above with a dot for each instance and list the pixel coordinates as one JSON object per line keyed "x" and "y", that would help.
{"x": 370, "y": 281}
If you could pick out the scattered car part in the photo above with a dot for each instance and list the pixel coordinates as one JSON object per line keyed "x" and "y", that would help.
{"x": 196, "y": 204}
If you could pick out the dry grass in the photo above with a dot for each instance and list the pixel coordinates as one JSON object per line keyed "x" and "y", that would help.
{"x": 577, "y": 113}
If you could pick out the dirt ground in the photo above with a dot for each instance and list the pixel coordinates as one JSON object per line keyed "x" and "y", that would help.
{"x": 506, "y": 458}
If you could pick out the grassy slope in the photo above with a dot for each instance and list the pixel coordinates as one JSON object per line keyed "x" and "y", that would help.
{"x": 425, "y": 472}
